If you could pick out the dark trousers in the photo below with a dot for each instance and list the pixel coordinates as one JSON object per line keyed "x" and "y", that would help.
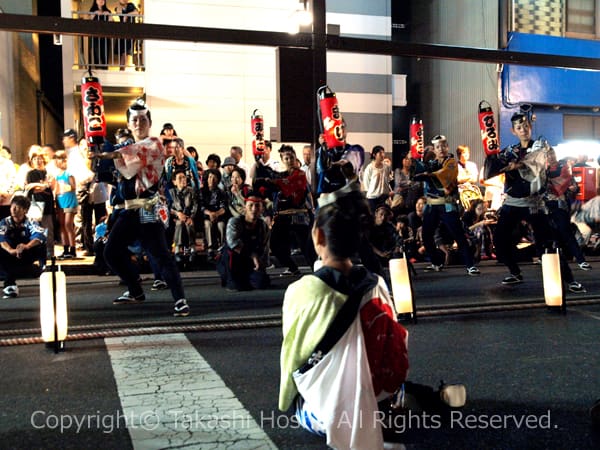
{"x": 126, "y": 230}
{"x": 89, "y": 213}
{"x": 563, "y": 232}
{"x": 237, "y": 272}
{"x": 99, "y": 263}
{"x": 509, "y": 218}
{"x": 433, "y": 215}
{"x": 281, "y": 237}
{"x": 12, "y": 267}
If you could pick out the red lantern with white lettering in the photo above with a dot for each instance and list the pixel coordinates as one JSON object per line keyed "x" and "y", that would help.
{"x": 332, "y": 123}
{"x": 487, "y": 125}
{"x": 92, "y": 103}
{"x": 258, "y": 131}
{"x": 417, "y": 146}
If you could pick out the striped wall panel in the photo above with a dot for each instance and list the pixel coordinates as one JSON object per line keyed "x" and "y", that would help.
{"x": 363, "y": 83}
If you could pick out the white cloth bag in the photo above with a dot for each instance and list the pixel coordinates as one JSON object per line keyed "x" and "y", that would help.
{"x": 340, "y": 393}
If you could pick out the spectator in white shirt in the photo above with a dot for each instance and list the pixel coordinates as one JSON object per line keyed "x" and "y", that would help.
{"x": 376, "y": 178}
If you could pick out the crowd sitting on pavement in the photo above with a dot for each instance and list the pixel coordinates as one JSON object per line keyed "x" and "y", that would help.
{"x": 431, "y": 209}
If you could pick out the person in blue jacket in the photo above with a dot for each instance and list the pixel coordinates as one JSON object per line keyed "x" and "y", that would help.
{"x": 22, "y": 242}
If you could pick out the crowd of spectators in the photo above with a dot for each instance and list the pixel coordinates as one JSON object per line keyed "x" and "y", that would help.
{"x": 203, "y": 197}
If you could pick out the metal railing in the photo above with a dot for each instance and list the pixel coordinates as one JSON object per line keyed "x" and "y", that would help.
{"x": 106, "y": 53}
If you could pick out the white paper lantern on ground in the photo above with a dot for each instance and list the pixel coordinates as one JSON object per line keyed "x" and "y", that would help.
{"x": 553, "y": 288}
{"x": 53, "y": 317}
{"x": 401, "y": 287}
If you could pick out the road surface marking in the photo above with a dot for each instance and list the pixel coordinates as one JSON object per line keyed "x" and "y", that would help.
{"x": 171, "y": 397}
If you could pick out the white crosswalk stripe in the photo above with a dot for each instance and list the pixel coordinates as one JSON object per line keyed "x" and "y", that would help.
{"x": 172, "y": 398}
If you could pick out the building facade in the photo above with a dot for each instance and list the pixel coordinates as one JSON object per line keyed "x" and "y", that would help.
{"x": 209, "y": 91}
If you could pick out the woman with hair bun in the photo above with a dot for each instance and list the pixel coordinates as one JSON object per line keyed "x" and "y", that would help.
{"x": 344, "y": 358}
{"x": 311, "y": 305}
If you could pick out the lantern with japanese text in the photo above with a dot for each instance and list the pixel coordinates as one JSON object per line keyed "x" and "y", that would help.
{"x": 417, "y": 147}
{"x": 331, "y": 118}
{"x": 258, "y": 131}
{"x": 487, "y": 125}
{"x": 92, "y": 107}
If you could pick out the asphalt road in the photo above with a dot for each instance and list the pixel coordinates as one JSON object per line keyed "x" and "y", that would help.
{"x": 530, "y": 373}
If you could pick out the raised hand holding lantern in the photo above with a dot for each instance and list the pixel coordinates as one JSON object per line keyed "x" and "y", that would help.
{"x": 417, "y": 146}
{"x": 331, "y": 118}
{"x": 258, "y": 131}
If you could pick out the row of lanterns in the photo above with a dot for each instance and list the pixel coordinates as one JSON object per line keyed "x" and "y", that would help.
{"x": 53, "y": 296}
{"x": 404, "y": 299}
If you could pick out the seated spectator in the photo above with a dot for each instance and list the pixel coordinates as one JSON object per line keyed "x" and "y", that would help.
{"x": 406, "y": 237}
{"x": 194, "y": 154}
{"x": 236, "y": 152}
{"x": 213, "y": 161}
{"x": 383, "y": 236}
{"x": 236, "y": 192}
{"x": 406, "y": 191}
{"x": 179, "y": 162}
{"x": 340, "y": 375}
{"x": 214, "y": 208}
{"x": 184, "y": 204}
{"x": 415, "y": 221}
{"x": 243, "y": 261}
{"x": 442, "y": 238}
{"x": 21, "y": 244}
{"x": 479, "y": 228}
{"x": 226, "y": 170}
